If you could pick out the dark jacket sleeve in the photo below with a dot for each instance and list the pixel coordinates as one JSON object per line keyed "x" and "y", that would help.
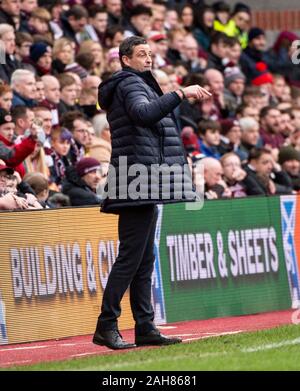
{"x": 252, "y": 187}
{"x": 141, "y": 110}
{"x": 80, "y": 197}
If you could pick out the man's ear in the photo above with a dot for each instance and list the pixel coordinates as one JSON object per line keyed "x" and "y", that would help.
{"x": 126, "y": 60}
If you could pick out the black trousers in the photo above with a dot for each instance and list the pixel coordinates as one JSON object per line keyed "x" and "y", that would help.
{"x": 133, "y": 267}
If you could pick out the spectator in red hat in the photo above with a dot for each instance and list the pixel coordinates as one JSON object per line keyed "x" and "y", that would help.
{"x": 82, "y": 181}
{"x": 9, "y": 201}
{"x": 14, "y": 154}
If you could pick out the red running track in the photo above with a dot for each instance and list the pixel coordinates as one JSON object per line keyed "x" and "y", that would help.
{"x": 81, "y": 346}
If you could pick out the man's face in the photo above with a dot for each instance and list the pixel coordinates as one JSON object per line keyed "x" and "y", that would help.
{"x": 40, "y": 91}
{"x": 230, "y": 165}
{"x": 68, "y": 94}
{"x": 242, "y": 20}
{"x": 272, "y": 121}
{"x": 278, "y": 87}
{"x": 77, "y": 24}
{"x": 237, "y": 87}
{"x": 9, "y": 42}
{"x": 216, "y": 82}
{"x": 80, "y": 132}
{"x": 12, "y": 7}
{"x": 178, "y": 42}
{"x": 250, "y": 111}
{"x": 46, "y": 117}
{"x": 251, "y": 136}
{"x": 141, "y": 59}
{"x": 141, "y": 22}
{"x": 7, "y": 131}
{"x": 92, "y": 179}
{"x": 27, "y": 87}
{"x": 259, "y": 43}
{"x": 263, "y": 165}
{"x": 114, "y": 7}
{"x": 234, "y": 53}
{"x": 292, "y": 167}
{"x": 213, "y": 175}
{"x": 29, "y": 5}
{"x": 3, "y": 180}
{"x": 296, "y": 120}
{"x": 190, "y": 48}
{"x": 52, "y": 90}
{"x": 100, "y": 22}
{"x": 220, "y": 49}
{"x": 287, "y": 126}
{"x": 27, "y": 120}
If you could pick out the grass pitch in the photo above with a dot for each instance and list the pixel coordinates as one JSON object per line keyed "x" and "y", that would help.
{"x": 276, "y": 349}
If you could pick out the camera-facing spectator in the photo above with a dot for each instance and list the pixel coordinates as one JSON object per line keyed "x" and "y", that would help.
{"x": 68, "y": 94}
{"x": 52, "y": 94}
{"x": 23, "y": 118}
{"x": 266, "y": 174}
{"x": 14, "y": 154}
{"x": 60, "y": 141}
{"x": 23, "y": 84}
{"x": 7, "y": 36}
{"x": 209, "y": 132}
{"x": 82, "y": 181}
{"x": 289, "y": 159}
{"x": 270, "y": 121}
{"x": 76, "y": 123}
{"x": 234, "y": 89}
{"x": 250, "y": 137}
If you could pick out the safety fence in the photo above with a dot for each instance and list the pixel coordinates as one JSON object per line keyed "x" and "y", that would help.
{"x": 232, "y": 257}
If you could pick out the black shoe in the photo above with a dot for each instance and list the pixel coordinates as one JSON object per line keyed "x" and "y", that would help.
{"x": 112, "y": 339}
{"x": 154, "y": 337}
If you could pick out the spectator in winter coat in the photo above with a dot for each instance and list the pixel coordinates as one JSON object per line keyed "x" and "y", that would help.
{"x": 82, "y": 181}
{"x": 14, "y": 154}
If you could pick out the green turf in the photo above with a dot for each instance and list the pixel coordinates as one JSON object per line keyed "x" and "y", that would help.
{"x": 274, "y": 349}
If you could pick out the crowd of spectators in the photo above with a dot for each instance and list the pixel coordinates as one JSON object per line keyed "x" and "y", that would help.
{"x": 55, "y": 140}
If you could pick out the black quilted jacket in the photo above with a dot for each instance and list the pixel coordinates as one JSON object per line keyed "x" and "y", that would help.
{"x": 143, "y": 131}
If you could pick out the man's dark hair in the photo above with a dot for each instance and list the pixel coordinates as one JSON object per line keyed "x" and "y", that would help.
{"x": 77, "y": 11}
{"x": 219, "y": 37}
{"x": 206, "y": 124}
{"x": 128, "y": 45}
{"x": 256, "y": 153}
{"x": 18, "y": 112}
{"x": 68, "y": 118}
{"x": 96, "y": 9}
{"x": 140, "y": 10}
{"x": 265, "y": 110}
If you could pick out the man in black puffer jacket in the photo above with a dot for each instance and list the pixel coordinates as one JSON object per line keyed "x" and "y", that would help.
{"x": 144, "y": 137}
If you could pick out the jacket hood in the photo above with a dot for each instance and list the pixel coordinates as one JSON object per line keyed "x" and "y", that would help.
{"x": 108, "y": 87}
